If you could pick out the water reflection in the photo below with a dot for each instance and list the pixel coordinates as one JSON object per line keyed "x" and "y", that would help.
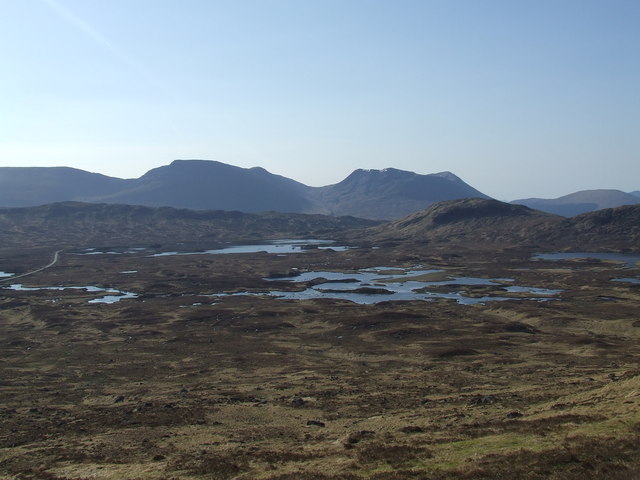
{"x": 277, "y": 247}
{"x": 629, "y": 259}
{"x": 380, "y": 284}
{"x": 626, "y": 280}
{"x": 115, "y": 295}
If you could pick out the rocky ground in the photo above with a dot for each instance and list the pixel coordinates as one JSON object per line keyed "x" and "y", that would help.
{"x": 176, "y": 384}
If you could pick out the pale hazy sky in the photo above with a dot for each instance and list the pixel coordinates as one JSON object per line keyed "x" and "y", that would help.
{"x": 519, "y": 98}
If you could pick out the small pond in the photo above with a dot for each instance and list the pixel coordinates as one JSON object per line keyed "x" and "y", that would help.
{"x": 626, "y": 280}
{"x": 113, "y": 297}
{"x": 385, "y": 283}
{"x": 283, "y": 246}
{"x": 629, "y": 259}
{"x": 276, "y": 246}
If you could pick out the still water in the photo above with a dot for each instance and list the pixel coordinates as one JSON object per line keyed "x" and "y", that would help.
{"x": 374, "y": 285}
{"x": 629, "y": 259}
{"x": 277, "y": 247}
{"x": 115, "y": 295}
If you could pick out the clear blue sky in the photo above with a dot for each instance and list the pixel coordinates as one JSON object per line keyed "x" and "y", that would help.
{"x": 519, "y": 98}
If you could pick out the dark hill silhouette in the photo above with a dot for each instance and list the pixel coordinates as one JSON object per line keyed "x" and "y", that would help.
{"x": 390, "y": 193}
{"x": 209, "y": 185}
{"x": 480, "y": 223}
{"x": 610, "y": 229}
{"x": 87, "y": 224}
{"x": 580, "y": 202}
{"x": 635, "y": 193}
{"x": 473, "y": 221}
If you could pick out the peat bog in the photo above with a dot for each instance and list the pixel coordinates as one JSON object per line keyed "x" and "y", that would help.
{"x": 181, "y": 383}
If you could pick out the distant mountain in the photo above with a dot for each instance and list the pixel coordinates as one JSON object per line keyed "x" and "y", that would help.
{"x": 474, "y": 221}
{"x": 25, "y": 186}
{"x": 209, "y": 185}
{"x": 580, "y": 202}
{"x": 390, "y": 193}
{"x": 635, "y": 193}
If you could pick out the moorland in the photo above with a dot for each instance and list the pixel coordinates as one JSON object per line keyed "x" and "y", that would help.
{"x": 202, "y": 373}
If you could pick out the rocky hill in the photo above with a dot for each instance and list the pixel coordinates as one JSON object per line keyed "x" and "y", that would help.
{"x": 481, "y": 223}
{"x": 473, "y": 221}
{"x": 608, "y": 229}
{"x": 208, "y": 185}
{"x": 580, "y": 202}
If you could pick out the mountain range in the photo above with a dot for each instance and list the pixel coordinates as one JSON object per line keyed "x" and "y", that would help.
{"x": 582, "y": 202}
{"x": 209, "y": 185}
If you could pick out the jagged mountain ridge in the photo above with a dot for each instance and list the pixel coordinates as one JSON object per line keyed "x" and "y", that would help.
{"x": 209, "y": 185}
{"x": 581, "y": 202}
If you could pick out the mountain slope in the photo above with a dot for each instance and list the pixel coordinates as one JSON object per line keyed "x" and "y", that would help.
{"x": 29, "y": 186}
{"x": 612, "y": 229}
{"x": 390, "y": 193}
{"x": 475, "y": 221}
{"x": 479, "y": 223}
{"x": 208, "y": 185}
{"x": 580, "y": 202}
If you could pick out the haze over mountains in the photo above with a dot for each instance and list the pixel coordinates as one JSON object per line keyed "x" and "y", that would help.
{"x": 209, "y": 185}
{"x": 581, "y": 202}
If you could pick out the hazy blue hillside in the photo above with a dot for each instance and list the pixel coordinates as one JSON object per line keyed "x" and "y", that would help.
{"x": 208, "y": 185}
{"x": 580, "y": 202}
{"x": 30, "y": 186}
{"x": 390, "y": 193}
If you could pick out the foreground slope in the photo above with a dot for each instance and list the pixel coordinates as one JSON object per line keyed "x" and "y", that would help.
{"x": 193, "y": 379}
{"x": 581, "y": 202}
